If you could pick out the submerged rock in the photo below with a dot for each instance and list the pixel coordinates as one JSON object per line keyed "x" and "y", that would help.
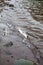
{"x": 23, "y": 62}
{"x": 7, "y": 52}
{"x": 11, "y": 5}
{"x": 9, "y": 44}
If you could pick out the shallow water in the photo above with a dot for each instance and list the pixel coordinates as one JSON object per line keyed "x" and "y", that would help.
{"x": 21, "y": 23}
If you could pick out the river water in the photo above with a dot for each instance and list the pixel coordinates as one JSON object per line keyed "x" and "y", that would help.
{"x": 21, "y": 22}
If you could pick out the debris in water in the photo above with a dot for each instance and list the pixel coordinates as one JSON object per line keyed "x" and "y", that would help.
{"x": 22, "y": 32}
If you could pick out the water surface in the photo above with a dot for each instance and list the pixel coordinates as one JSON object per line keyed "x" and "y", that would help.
{"x": 21, "y": 21}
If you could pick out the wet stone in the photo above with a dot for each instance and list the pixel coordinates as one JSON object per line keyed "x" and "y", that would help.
{"x": 11, "y": 5}
{"x": 9, "y": 44}
{"x": 11, "y": 56}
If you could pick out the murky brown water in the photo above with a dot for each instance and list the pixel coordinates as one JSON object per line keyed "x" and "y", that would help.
{"x": 21, "y": 22}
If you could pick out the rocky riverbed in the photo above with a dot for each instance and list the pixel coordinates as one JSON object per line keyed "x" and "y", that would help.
{"x": 21, "y": 31}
